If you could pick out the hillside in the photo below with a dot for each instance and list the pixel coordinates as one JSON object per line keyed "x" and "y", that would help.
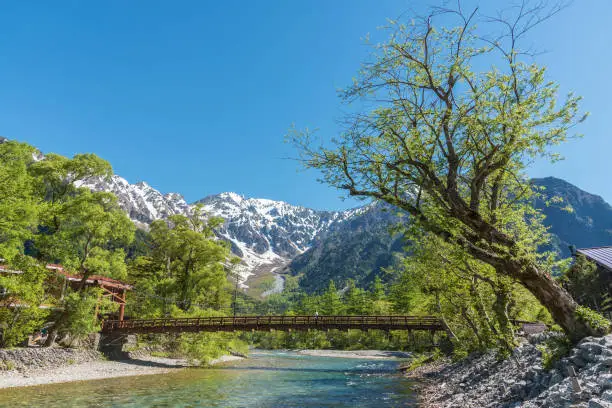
{"x": 589, "y": 223}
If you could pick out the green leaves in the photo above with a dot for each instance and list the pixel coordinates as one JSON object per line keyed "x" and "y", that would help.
{"x": 22, "y": 293}
{"x": 19, "y": 206}
{"x": 446, "y": 124}
{"x": 87, "y": 233}
{"x": 187, "y": 264}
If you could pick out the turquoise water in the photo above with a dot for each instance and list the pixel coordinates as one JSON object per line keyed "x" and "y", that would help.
{"x": 266, "y": 379}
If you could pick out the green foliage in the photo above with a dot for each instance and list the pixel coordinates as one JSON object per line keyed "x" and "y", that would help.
{"x": 79, "y": 317}
{"x": 55, "y": 175}
{"x": 186, "y": 267}
{"x": 86, "y": 233}
{"x": 553, "y": 350}
{"x": 476, "y": 304}
{"x": 6, "y": 365}
{"x": 594, "y": 319}
{"x": 19, "y": 205}
{"x": 448, "y": 140}
{"x": 330, "y": 301}
{"x": 588, "y": 284}
{"x": 20, "y": 315}
{"x": 419, "y": 360}
{"x": 200, "y": 347}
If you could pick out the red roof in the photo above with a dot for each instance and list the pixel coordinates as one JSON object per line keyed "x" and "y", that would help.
{"x": 102, "y": 280}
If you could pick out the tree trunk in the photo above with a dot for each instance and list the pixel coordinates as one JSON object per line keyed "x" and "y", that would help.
{"x": 557, "y": 300}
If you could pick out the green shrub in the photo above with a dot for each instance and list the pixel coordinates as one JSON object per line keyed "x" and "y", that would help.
{"x": 553, "y": 350}
{"x": 6, "y": 365}
{"x": 420, "y": 360}
{"x": 593, "y": 319}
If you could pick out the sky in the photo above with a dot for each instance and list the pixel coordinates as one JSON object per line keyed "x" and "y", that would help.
{"x": 195, "y": 97}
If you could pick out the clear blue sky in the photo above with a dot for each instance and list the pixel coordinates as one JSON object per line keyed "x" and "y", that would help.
{"x": 195, "y": 96}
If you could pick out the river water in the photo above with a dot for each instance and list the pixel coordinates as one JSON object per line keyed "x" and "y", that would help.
{"x": 265, "y": 379}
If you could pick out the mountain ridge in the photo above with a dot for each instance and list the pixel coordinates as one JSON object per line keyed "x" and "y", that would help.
{"x": 275, "y": 237}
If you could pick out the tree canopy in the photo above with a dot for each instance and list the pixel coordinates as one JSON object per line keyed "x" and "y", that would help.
{"x": 448, "y": 114}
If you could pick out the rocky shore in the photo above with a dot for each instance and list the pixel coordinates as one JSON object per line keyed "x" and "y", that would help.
{"x": 583, "y": 379}
{"x": 37, "y": 366}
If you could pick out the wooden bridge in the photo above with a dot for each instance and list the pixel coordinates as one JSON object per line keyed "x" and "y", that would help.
{"x": 266, "y": 323}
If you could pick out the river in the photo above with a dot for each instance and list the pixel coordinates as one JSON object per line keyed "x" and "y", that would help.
{"x": 265, "y": 379}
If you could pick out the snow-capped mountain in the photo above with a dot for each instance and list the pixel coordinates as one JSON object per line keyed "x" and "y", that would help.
{"x": 265, "y": 234}
{"x": 143, "y": 203}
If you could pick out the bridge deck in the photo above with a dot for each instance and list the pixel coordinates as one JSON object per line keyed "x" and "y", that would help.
{"x": 286, "y": 323}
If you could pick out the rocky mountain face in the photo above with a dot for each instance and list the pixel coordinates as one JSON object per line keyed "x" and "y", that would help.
{"x": 359, "y": 248}
{"x": 266, "y": 234}
{"x": 275, "y": 237}
{"x": 588, "y": 224}
{"x": 143, "y": 203}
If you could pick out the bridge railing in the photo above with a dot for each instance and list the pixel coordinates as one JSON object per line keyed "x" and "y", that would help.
{"x": 225, "y": 323}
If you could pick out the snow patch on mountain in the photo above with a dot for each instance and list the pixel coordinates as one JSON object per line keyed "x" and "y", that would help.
{"x": 143, "y": 203}
{"x": 264, "y": 233}
{"x": 267, "y": 234}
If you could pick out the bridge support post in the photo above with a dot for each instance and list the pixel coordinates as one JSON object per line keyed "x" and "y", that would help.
{"x": 112, "y": 345}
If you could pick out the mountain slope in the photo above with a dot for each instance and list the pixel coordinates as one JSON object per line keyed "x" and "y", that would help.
{"x": 358, "y": 248}
{"x": 141, "y": 202}
{"x": 275, "y": 237}
{"x": 267, "y": 234}
{"x": 589, "y": 223}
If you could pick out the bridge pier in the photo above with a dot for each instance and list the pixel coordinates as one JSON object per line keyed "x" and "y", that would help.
{"x": 112, "y": 345}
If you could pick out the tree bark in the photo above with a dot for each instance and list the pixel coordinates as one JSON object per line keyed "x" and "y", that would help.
{"x": 557, "y": 300}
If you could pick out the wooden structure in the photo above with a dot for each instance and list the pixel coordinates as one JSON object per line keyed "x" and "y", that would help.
{"x": 601, "y": 256}
{"x": 113, "y": 289}
{"x": 266, "y": 323}
{"x": 61, "y": 279}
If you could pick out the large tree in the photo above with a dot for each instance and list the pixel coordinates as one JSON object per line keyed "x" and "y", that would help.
{"x": 446, "y": 123}
{"x": 186, "y": 266}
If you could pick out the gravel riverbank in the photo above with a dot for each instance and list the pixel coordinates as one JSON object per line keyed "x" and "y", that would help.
{"x": 26, "y": 367}
{"x": 581, "y": 380}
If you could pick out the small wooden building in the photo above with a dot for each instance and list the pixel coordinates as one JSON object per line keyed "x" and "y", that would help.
{"x": 59, "y": 281}
{"x": 601, "y": 256}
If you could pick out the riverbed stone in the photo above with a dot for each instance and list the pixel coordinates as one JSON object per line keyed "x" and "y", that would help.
{"x": 23, "y": 359}
{"x": 582, "y": 379}
{"x": 599, "y": 403}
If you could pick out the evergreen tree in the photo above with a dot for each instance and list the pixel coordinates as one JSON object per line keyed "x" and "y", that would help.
{"x": 331, "y": 303}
